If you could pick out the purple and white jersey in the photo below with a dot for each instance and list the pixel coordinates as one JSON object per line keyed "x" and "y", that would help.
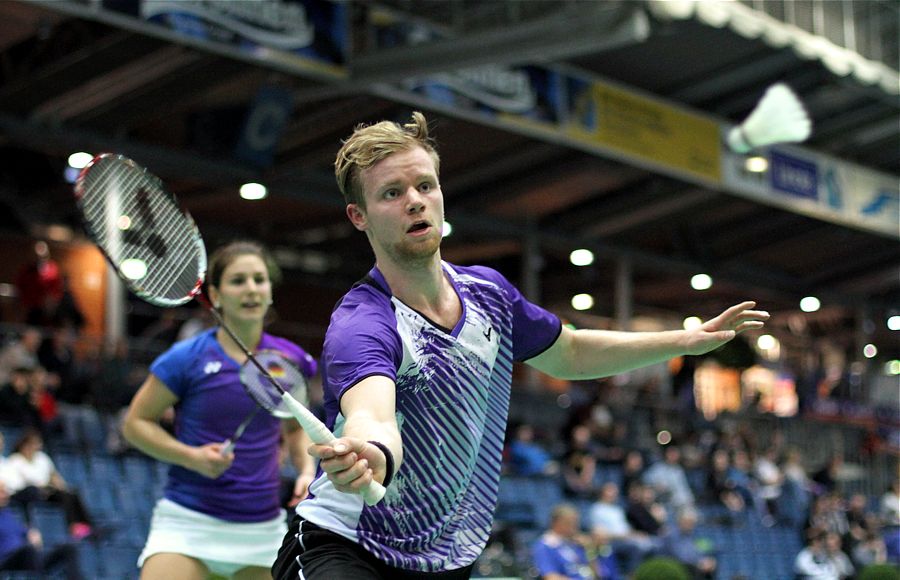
{"x": 211, "y": 404}
{"x": 452, "y": 393}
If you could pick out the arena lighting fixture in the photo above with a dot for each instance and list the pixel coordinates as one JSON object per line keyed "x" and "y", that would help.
{"x": 581, "y": 257}
{"x": 810, "y": 304}
{"x": 893, "y": 323}
{"x": 892, "y": 368}
{"x": 766, "y": 342}
{"x": 133, "y": 268}
{"x": 663, "y": 437}
{"x": 691, "y": 322}
{"x": 756, "y": 164}
{"x": 582, "y": 301}
{"x": 254, "y": 191}
{"x": 70, "y": 174}
{"x": 701, "y": 282}
{"x": 79, "y": 160}
{"x": 870, "y": 350}
{"x": 447, "y": 230}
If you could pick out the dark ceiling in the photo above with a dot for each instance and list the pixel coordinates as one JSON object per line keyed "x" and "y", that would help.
{"x": 70, "y": 83}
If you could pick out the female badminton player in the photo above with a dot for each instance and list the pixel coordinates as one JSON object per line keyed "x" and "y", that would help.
{"x": 220, "y": 512}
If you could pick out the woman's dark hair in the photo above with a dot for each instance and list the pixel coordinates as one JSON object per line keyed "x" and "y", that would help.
{"x": 228, "y": 253}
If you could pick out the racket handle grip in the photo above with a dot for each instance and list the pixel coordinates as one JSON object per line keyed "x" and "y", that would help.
{"x": 320, "y": 435}
{"x": 228, "y": 447}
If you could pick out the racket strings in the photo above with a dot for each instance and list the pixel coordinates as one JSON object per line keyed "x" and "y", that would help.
{"x": 288, "y": 377}
{"x": 133, "y": 219}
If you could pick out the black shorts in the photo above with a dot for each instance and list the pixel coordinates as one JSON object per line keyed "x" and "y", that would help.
{"x": 313, "y": 553}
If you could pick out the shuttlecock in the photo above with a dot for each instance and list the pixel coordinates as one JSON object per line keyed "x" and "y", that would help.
{"x": 778, "y": 118}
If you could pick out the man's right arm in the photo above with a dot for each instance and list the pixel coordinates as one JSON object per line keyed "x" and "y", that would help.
{"x": 370, "y": 416}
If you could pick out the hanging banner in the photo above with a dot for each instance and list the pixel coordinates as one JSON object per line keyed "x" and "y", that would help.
{"x": 307, "y": 34}
{"x": 645, "y": 128}
{"x": 819, "y": 186}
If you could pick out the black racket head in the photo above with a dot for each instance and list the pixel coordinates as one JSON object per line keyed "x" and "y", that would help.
{"x": 286, "y": 374}
{"x": 154, "y": 246}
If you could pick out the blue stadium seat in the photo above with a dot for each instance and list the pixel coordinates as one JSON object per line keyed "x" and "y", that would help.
{"x": 50, "y": 520}
{"x": 118, "y": 562}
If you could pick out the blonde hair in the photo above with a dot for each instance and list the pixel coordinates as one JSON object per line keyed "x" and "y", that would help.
{"x": 369, "y": 144}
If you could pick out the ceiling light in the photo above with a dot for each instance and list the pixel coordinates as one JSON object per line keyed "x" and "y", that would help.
{"x": 253, "y": 191}
{"x": 582, "y": 301}
{"x": 581, "y": 257}
{"x": 756, "y": 164}
{"x": 870, "y": 350}
{"x": 766, "y": 342}
{"x": 691, "y": 322}
{"x": 701, "y": 282}
{"x": 893, "y": 323}
{"x": 446, "y": 230}
{"x": 810, "y": 304}
{"x": 80, "y": 159}
{"x": 892, "y": 368}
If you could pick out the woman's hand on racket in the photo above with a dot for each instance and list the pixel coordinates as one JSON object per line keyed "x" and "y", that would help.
{"x": 209, "y": 461}
{"x": 350, "y": 463}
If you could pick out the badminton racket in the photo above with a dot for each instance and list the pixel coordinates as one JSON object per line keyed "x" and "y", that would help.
{"x": 156, "y": 249}
{"x": 257, "y": 386}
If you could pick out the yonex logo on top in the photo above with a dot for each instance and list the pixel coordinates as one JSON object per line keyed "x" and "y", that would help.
{"x": 212, "y": 367}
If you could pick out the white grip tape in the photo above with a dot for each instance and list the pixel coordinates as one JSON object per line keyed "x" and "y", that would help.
{"x": 320, "y": 434}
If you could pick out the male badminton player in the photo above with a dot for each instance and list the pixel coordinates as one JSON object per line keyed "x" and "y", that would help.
{"x": 417, "y": 366}
{"x": 221, "y": 509}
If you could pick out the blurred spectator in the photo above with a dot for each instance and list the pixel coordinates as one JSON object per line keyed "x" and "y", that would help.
{"x": 683, "y": 545}
{"x": 16, "y": 404}
{"x": 57, "y": 355}
{"x": 644, "y": 513}
{"x": 607, "y": 520}
{"x": 579, "y": 464}
{"x": 890, "y": 504}
{"x": 118, "y": 378}
{"x": 612, "y": 440}
{"x": 43, "y": 399}
{"x": 840, "y": 561}
{"x": 871, "y": 550}
{"x": 561, "y": 552}
{"x": 827, "y": 513}
{"x": 40, "y": 285}
{"x": 813, "y": 561}
{"x": 632, "y": 468}
{"x": 827, "y": 476}
{"x": 21, "y": 547}
{"x": 719, "y": 485}
{"x": 669, "y": 480}
{"x": 42, "y": 482}
{"x": 770, "y": 479}
{"x": 858, "y": 520}
{"x": 797, "y": 488}
{"x": 527, "y": 457}
{"x": 67, "y": 313}
{"x": 739, "y": 474}
{"x": 21, "y": 353}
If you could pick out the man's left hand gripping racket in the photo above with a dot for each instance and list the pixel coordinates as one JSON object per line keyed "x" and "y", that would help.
{"x": 157, "y": 250}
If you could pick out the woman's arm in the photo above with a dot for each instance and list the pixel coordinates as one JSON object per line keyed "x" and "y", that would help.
{"x": 142, "y": 429}
{"x": 297, "y": 442}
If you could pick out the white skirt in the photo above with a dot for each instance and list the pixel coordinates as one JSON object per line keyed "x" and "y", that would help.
{"x": 178, "y": 530}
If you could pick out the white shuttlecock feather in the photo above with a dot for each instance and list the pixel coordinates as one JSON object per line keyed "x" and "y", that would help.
{"x": 778, "y": 118}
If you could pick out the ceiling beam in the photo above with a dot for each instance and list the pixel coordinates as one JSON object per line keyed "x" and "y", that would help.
{"x": 592, "y": 27}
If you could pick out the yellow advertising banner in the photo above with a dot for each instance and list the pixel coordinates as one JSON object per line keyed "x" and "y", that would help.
{"x": 642, "y": 127}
